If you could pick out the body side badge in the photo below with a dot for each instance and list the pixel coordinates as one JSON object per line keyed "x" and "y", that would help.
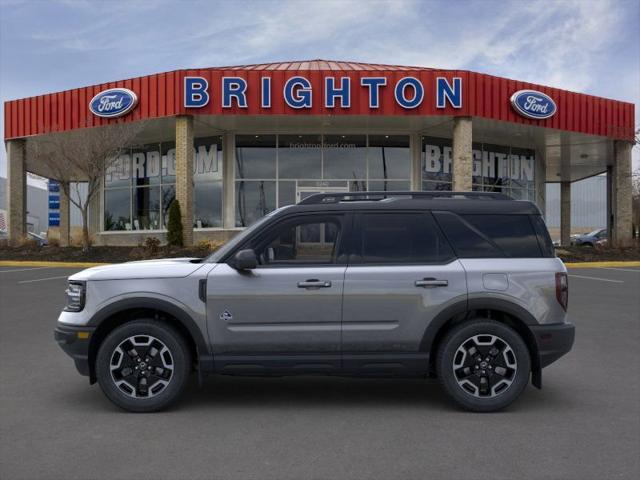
{"x": 226, "y": 316}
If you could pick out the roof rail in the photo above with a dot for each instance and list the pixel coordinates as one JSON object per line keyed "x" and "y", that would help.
{"x": 319, "y": 198}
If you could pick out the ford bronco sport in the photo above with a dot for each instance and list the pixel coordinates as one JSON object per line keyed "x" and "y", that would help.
{"x": 464, "y": 287}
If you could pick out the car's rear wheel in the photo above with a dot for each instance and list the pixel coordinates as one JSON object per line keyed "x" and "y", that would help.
{"x": 143, "y": 365}
{"x": 483, "y": 365}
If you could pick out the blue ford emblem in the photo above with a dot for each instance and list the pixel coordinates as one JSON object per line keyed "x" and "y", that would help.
{"x": 114, "y": 102}
{"x": 533, "y": 104}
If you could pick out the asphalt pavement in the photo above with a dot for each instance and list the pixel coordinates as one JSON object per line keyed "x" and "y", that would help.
{"x": 584, "y": 423}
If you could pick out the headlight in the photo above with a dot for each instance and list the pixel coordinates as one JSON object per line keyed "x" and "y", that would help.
{"x": 75, "y": 297}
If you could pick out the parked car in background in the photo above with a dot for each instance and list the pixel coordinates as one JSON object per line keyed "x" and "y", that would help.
{"x": 590, "y": 239}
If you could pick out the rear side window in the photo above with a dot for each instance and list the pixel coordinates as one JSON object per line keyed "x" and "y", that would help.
{"x": 406, "y": 238}
{"x": 544, "y": 240}
{"x": 486, "y": 236}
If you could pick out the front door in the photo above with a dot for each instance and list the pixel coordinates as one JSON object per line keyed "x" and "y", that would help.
{"x": 285, "y": 314}
{"x": 401, "y": 275}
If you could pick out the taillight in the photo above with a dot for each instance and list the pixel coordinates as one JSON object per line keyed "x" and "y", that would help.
{"x": 562, "y": 289}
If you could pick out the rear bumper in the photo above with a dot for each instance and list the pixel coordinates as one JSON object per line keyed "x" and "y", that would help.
{"x": 553, "y": 341}
{"x": 75, "y": 343}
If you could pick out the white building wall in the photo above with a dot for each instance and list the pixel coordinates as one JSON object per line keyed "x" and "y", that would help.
{"x": 588, "y": 203}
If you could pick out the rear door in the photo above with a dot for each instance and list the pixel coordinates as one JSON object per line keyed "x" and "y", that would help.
{"x": 285, "y": 314}
{"x": 401, "y": 275}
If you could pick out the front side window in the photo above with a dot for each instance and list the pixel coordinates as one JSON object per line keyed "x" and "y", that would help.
{"x": 303, "y": 241}
{"x": 401, "y": 238}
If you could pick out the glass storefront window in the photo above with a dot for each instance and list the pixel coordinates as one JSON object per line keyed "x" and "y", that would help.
{"x": 117, "y": 209}
{"x": 208, "y": 205}
{"x": 496, "y": 168}
{"x": 389, "y": 157}
{"x": 299, "y": 156}
{"x": 146, "y": 208}
{"x": 255, "y": 156}
{"x": 150, "y": 172}
{"x": 254, "y": 199}
{"x": 345, "y": 157}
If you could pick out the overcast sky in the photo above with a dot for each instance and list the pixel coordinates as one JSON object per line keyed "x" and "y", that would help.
{"x": 582, "y": 45}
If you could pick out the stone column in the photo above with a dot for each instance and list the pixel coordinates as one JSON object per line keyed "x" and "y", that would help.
{"x": 16, "y": 191}
{"x": 184, "y": 174}
{"x": 228, "y": 181}
{"x": 565, "y": 213}
{"x": 415, "y": 147}
{"x": 540, "y": 181}
{"x": 462, "y": 154}
{"x": 621, "y": 234}
{"x": 65, "y": 215}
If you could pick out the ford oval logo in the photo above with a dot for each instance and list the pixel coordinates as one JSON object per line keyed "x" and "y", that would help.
{"x": 114, "y": 102}
{"x": 533, "y": 104}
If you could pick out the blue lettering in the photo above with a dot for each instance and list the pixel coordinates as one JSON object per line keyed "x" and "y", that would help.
{"x": 297, "y": 92}
{"x": 445, "y": 92}
{"x": 400, "y": 92}
{"x": 374, "y": 84}
{"x": 195, "y": 92}
{"x": 331, "y": 92}
{"x": 234, "y": 87}
{"x": 266, "y": 92}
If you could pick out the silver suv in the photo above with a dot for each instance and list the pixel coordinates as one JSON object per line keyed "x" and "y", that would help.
{"x": 464, "y": 287}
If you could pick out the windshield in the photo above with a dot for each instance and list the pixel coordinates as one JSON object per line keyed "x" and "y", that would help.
{"x": 594, "y": 233}
{"x": 223, "y": 251}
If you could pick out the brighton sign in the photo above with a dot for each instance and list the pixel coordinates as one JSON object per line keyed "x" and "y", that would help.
{"x": 533, "y": 104}
{"x": 297, "y": 92}
{"x": 113, "y": 103}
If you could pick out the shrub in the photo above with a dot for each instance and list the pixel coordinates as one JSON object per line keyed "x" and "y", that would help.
{"x": 54, "y": 242}
{"x": 174, "y": 226}
{"x": 209, "y": 245}
{"x": 152, "y": 245}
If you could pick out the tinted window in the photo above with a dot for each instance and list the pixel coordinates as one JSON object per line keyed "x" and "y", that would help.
{"x": 402, "y": 238}
{"x": 467, "y": 242}
{"x": 482, "y": 236}
{"x": 544, "y": 240}
{"x": 302, "y": 241}
{"x": 514, "y": 234}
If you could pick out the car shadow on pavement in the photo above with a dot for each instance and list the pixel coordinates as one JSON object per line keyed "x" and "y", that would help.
{"x": 317, "y": 393}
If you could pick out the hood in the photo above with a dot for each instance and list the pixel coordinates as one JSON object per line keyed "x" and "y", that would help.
{"x": 163, "y": 268}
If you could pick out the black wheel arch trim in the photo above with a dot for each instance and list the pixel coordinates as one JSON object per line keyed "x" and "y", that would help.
{"x": 205, "y": 358}
{"x": 462, "y": 308}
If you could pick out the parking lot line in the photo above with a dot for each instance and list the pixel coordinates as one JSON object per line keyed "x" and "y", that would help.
{"x": 43, "y": 279}
{"x": 597, "y": 278}
{"x": 622, "y": 269}
{"x": 23, "y": 269}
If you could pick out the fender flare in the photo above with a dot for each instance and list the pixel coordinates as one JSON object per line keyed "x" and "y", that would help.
{"x": 205, "y": 359}
{"x": 462, "y": 308}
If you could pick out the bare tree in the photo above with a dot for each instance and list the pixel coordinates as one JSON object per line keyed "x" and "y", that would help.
{"x": 82, "y": 156}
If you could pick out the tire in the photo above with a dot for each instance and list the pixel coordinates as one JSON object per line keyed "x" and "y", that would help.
{"x": 143, "y": 345}
{"x": 506, "y": 374}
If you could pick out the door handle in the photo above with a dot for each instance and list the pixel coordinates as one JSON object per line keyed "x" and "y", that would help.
{"x": 314, "y": 283}
{"x": 431, "y": 283}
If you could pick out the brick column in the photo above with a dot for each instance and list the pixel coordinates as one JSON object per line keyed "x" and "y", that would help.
{"x": 462, "y": 154}
{"x": 415, "y": 147}
{"x": 621, "y": 234}
{"x": 65, "y": 215}
{"x": 16, "y": 191}
{"x": 184, "y": 174}
{"x": 228, "y": 180}
{"x": 565, "y": 213}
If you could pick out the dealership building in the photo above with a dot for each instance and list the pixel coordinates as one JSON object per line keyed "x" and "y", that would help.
{"x": 234, "y": 143}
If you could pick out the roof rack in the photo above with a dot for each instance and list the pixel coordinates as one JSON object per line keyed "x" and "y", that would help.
{"x": 320, "y": 198}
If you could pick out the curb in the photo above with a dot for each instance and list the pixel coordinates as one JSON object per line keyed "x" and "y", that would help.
{"x": 601, "y": 264}
{"x": 30, "y": 263}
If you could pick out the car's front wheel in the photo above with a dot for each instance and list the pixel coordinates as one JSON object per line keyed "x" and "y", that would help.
{"x": 143, "y": 365}
{"x": 483, "y": 365}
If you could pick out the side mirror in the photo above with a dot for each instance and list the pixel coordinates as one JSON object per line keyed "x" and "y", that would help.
{"x": 245, "y": 260}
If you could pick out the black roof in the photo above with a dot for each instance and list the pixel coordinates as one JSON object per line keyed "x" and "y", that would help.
{"x": 457, "y": 202}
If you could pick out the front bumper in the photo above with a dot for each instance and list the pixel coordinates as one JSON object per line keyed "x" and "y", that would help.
{"x": 75, "y": 343}
{"x": 553, "y": 341}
